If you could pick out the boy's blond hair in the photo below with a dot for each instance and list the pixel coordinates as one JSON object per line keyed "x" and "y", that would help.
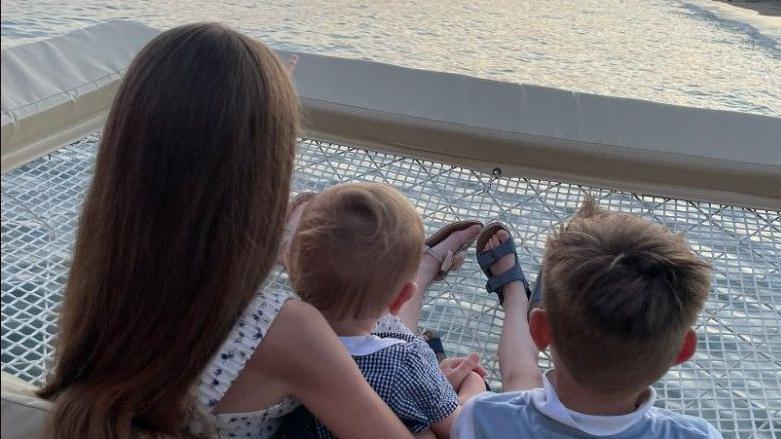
{"x": 620, "y": 293}
{"x": 356, "y": 246}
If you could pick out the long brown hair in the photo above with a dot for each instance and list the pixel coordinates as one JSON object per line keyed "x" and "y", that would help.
{"x": 178, "y": 230}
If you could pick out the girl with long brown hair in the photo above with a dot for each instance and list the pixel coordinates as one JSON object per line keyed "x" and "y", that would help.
{"x": 162, "y": 316}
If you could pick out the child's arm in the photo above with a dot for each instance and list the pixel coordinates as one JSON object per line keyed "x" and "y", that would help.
{"x": 425, "y": 434}
{"x": 303, "y": 356}
{"x": 472, "y": 385}
{"x": 423, "y": 396}
{"x": 517, "y": 351}
{"x": 442, "y": 428}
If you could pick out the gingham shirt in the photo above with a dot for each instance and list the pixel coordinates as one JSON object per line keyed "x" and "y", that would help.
{"x": 405, "y": 373}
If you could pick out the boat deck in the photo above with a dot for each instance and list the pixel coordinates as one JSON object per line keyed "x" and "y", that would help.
{"x": 734, "y": 380}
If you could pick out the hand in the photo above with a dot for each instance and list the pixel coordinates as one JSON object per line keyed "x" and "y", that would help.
{"x": 291, "y": 64}
{"x": 457, "y": 369}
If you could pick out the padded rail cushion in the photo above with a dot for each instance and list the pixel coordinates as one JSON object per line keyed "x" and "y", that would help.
{"x": 58, "y": 90}
{"x": 541, "y": 132}
{"x": 23, "y": 414}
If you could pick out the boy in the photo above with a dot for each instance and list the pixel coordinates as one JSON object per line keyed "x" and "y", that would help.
{"x": 619, "y": 298}
{"x": 353, "y": 257}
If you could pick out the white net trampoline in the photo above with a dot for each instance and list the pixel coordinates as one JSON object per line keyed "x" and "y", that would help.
{"x": 734, "y": 380}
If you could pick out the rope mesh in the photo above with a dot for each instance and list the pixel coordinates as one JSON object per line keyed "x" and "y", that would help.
{"x": 734, "y": 380}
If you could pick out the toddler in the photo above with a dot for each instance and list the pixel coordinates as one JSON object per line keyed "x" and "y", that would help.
{"x": 353, "y": 257}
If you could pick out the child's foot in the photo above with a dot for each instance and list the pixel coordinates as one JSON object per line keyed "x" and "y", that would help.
{"x": 429, "y": 268}
{"x": 513, "y": 289}
{"x": 507, "y": 261}
{"x": 498, "y": 258}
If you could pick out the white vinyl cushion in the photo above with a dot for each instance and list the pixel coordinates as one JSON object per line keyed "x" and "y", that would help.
{"x": 58, "y": 90}
{"x": 23, "y": 414}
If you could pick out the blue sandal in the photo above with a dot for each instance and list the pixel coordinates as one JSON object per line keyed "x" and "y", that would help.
{"x": 486, "y": 258}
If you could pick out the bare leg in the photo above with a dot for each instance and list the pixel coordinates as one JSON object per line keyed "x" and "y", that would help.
{"x": 517, "y": 352}
{"x": 427, "y": 270}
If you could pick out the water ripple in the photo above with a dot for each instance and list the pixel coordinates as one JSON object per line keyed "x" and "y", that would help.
{"x": 671, "y": 51}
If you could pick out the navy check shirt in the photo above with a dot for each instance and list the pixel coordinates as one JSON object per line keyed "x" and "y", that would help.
{"x": 406, "y": 376}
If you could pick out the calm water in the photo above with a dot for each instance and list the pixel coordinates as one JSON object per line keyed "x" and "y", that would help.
{"x": 672, "y": 51}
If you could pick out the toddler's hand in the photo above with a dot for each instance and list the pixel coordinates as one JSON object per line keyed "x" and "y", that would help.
{"x": 457, "y": 369}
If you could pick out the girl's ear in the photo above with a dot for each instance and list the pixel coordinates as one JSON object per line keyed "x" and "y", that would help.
{"x": 688, "y": 347}
{"x": 539, "y": 327}
{"x": 404, "y": 295}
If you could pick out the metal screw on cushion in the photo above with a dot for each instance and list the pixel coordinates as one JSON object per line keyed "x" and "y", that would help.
{"x": 495, "y": 173}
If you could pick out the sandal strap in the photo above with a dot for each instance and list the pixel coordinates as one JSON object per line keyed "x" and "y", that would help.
{"x": 431, "y": 252}
{"x": 443, "y": 233}
{"x": 496, "y": 283}
{"x": 446, "y": 263}
{"x": 487, "y": 258}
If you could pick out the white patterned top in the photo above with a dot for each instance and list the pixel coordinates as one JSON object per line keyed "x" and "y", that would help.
{"x": 230, "y": 360}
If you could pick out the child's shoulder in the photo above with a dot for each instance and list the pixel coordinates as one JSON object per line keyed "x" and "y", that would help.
{"x": 517, "y": 413}
{"x": 410, "y": 353}
{"x": 409, "y": 366}
{"x": 673, "y": 422}
{"x": 408, "y": 345}
{"x": 406, "y": 375}
{"x": 508, "y": 402}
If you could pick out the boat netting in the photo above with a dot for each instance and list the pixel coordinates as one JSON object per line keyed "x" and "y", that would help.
{"x": 734, "y": 380}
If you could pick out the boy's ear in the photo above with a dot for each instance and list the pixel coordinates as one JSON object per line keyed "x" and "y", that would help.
{"x": 405, "y": 294}
{"x": 539, "y": 327}
{"x": 688, "y": 347}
